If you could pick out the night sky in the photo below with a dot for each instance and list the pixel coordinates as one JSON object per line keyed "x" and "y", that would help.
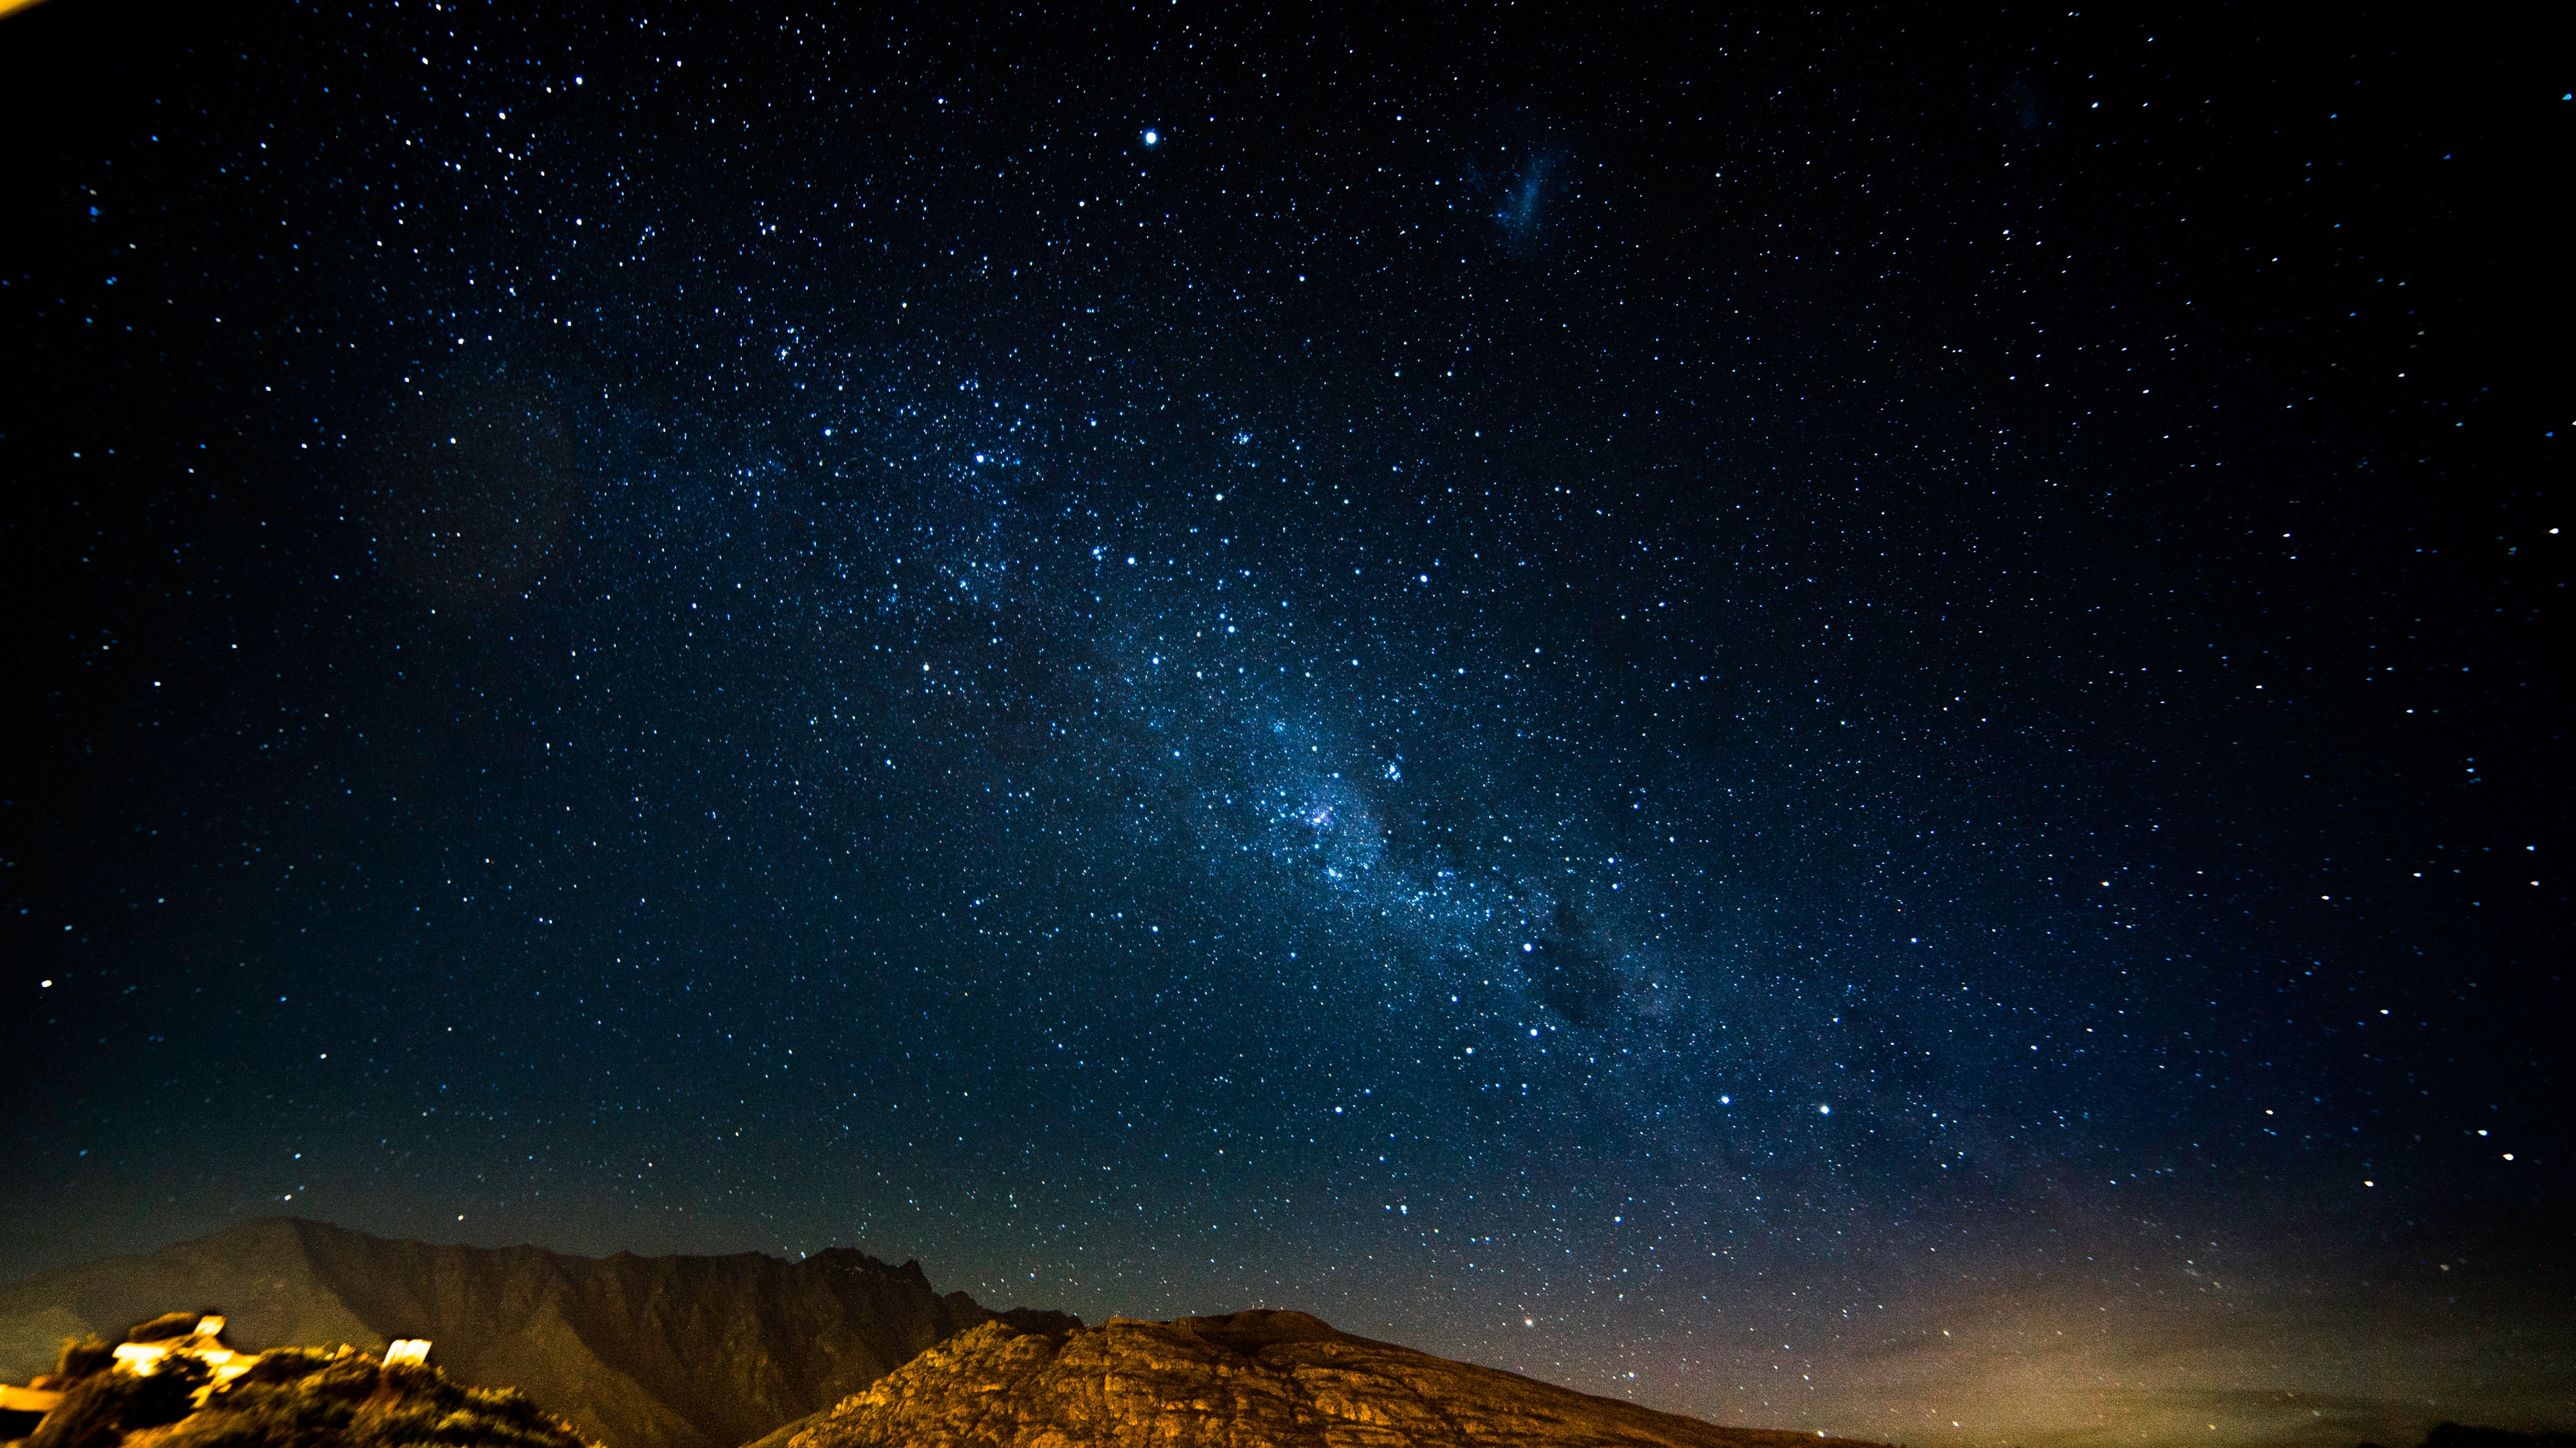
{"x": 1836, "y": 720}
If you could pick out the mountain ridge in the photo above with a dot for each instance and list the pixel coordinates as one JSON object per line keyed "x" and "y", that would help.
{"x": 1254, "y": 1379}
{"x": 837, "y": 1350}
{"x": 641, "y": 1352}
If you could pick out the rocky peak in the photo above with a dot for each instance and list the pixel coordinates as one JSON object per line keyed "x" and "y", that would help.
{"x": 1245, "y": 1379}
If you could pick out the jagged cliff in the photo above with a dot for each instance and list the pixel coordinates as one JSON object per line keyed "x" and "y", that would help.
{"x": 660, "y": 1352}
{"x": 1248, "y": 1380}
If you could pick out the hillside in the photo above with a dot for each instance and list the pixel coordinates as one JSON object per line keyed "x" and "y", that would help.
{"x": 1275, "y": 1379}
{"x": 662, "y": 1352}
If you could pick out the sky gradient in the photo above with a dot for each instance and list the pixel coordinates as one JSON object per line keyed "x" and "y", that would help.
{"x": 1840, "y": 721}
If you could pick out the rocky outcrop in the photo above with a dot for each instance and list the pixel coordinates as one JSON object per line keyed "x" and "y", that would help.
{"x": 290, "y": 1398}
{"x": 1248, "y": 1380}
{"x": 658, "y": 1352}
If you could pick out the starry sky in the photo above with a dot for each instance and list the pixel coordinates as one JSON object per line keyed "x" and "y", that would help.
{"x": 1836, "y": 719}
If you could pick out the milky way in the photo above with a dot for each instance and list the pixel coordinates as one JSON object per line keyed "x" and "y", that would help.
{"x": 1838, "y": 726}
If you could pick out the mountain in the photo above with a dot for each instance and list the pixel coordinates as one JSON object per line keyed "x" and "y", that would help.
{"x": 658, "y": 1352}
{"x": 1272, "y": 1379}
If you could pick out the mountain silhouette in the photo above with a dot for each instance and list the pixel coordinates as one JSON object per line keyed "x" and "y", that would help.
{"x": 638, "y": 1352}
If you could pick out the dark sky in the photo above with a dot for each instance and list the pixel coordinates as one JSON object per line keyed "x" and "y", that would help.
{"x": 1835, "y": 720}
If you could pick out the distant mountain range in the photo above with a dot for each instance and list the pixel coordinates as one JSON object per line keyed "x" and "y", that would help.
{"x": 638, "y": 1352}
{"x": 835, "y": 1351}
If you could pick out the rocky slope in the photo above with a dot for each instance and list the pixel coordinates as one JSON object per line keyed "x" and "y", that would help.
{"x": 291, "y": 1398}
{"x": 1249, "y": 1380}
{"x": 664, "y": 1352}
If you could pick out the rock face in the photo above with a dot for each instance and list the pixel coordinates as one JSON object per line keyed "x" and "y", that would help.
{"x": 1249, "y": 1380}
{"x": 663, "y": 1352}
